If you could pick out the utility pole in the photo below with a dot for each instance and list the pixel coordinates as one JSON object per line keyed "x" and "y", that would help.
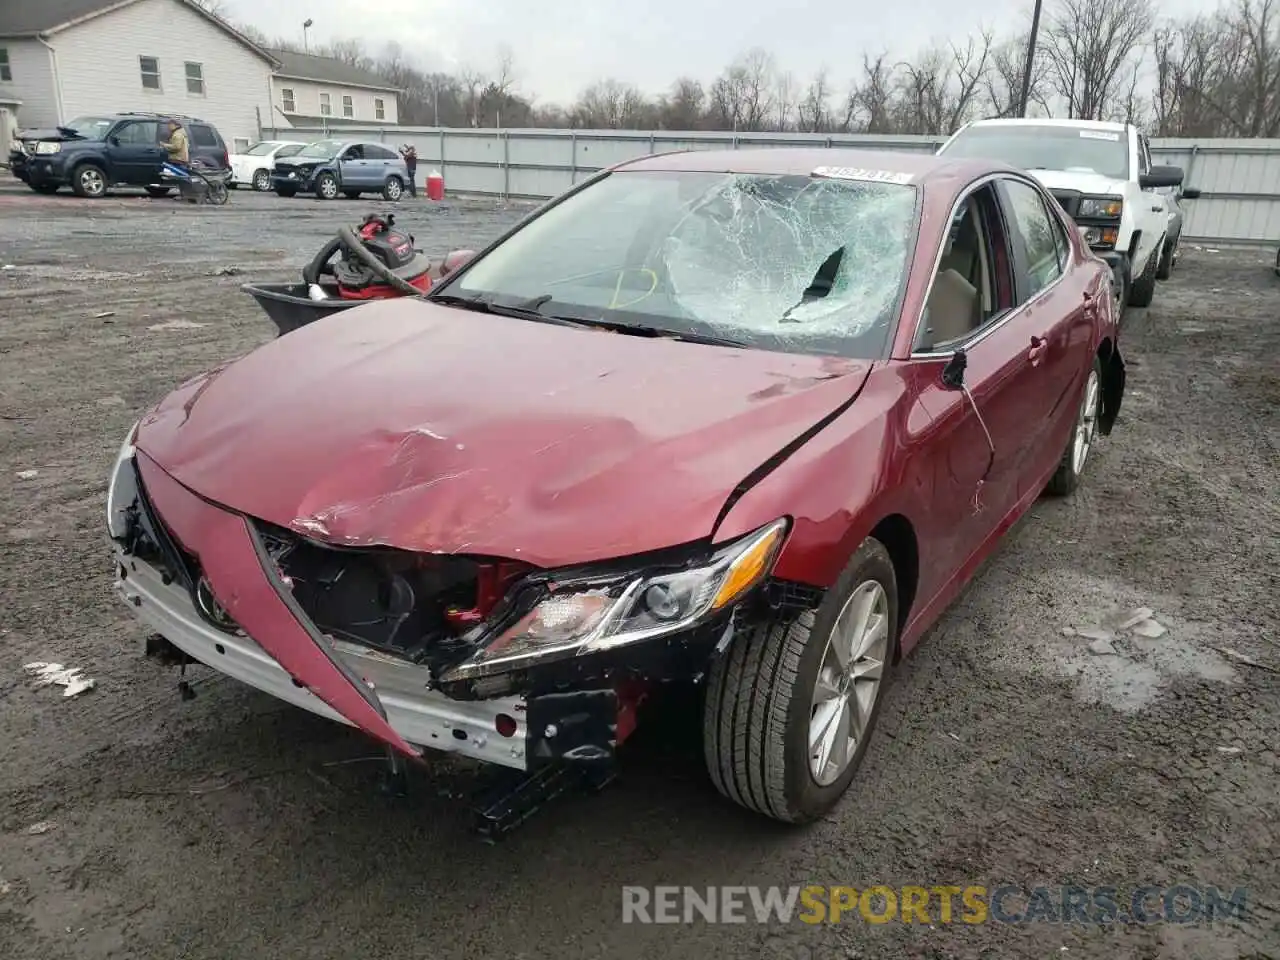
{"x": 1030, "y": 61}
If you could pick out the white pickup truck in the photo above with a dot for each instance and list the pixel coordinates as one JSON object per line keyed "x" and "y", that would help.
{"x": 1101, "y": 173}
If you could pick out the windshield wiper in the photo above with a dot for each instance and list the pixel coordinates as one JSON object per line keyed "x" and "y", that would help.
{"x": 640, "y": 330}
{"x": 525, "y": 310}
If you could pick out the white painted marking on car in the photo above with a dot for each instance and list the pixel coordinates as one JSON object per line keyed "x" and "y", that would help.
{"x": 857, "y": 173}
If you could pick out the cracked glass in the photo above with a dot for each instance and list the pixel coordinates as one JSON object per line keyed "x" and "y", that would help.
{"x": 792, "y": 263}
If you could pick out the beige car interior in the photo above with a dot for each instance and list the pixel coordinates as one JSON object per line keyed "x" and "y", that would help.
{"x": 960, "y": 298}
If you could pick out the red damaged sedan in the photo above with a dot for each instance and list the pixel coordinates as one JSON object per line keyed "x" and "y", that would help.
{"x": 744, "y": 420}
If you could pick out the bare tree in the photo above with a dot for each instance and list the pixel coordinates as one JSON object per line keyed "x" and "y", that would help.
{"x": 814, "y": 109}
{"x": 785, "y": 92}
{"x": 684, "y": 107}
{"x": 1089, "y": 46}
{"x": 609, "y": 104}
{"x": 870, "y": 99}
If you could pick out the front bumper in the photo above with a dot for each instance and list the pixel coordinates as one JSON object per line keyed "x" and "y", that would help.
{"x": 424, "y": 718}
{"x": 43, "y": 170}
{"x": 303, "y": 181}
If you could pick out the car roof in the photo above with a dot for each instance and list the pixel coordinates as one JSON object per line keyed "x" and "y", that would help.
{"x": 803, "y": 161}
{"x": 1111, "y": 126}
{"x": 148, "y": 115}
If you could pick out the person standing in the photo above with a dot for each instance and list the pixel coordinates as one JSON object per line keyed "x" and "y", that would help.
{"x": 176, "y": 146}
{"x": 410, "y": 154}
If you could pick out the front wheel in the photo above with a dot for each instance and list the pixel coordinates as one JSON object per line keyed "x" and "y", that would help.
{"x": 48, "y": 189}
{"x": 1080, "y": 443}
{"x": 286, "y": 191}
{"x": 393, "y": 189}
{"x": 327, "y": 186}
{"x": 791, "y": 704}
{"x": 89, "y": 180}
{"x": 158, "y": 192}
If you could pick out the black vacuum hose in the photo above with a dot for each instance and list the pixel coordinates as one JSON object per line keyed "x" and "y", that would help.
{"x": 349, "y": 240}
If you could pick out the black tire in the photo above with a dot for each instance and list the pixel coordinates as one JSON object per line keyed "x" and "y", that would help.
{"x": 48, "y": 189}
{"x": 759, "y": 701}
{"x": 326, "y": 187}
{"x": 1067, "y": 477}
{"x": 261, "y": 180}
{"x": 1164, "y": 269}
{"x": 393, "y": 189}
{"x": 89, "y": 180}
{"x": 158, "y": 192}
{"x": 286, "y": 191}
{"x": 1278, "y": 263}
{"x": 1143, "y": 290}
{"x": 351, "y": 194}
{"x": 218, "y": 194}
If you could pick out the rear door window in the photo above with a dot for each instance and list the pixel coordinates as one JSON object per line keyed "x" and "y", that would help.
{"x": 374, "y": 152}
{"x": 204, "y": 136}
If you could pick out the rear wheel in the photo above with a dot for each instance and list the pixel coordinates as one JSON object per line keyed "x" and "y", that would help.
{"x": 286, "y": 191}
{"x": 791, "y": 704}
{"x": 262, "y": 181}
{"x": 89, "y": 180}
{"x": 393, "y": 189}
{"x": 327, "y": 186}
{"x": 1080, "y": 444}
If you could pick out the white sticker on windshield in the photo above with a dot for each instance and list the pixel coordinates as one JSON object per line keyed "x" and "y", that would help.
{"x": 855, "y": 173}
{"x": 1099, "y": 135}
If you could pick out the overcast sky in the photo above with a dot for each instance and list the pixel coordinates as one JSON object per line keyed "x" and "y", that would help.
{"x": 561, "y": 46}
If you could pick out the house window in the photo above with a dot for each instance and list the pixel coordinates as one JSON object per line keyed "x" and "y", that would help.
{"x": 326, "y": 105}
{"x": 379, "y": 108}
{"x": 348, "y": 107}
{"x": 241, "y": 144}
{"x": 195, "y": 78}
{"x": 150, "y": 68}
{"x": 5, "y": 73}
{"x": 286, "y": 100}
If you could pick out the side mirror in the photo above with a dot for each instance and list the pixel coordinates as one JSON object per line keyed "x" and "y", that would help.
{"x": 455, "y": 259}
{"x": 1161, "y": 177}
{"x": 953, "y": 372}
{"x": 1190, "y": 193}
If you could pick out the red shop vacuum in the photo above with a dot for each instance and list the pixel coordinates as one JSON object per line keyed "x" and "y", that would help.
{"x": 373, "y": 262}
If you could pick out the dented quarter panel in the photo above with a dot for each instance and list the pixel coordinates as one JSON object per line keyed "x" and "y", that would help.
{"x": 225, "y": 548}
{"x": 427, "y": 428}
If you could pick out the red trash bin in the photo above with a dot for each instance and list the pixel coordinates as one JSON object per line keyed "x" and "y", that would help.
{"x": 435, "y": 186}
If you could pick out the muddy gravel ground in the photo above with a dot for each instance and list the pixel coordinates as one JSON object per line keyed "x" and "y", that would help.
{"x": 134, "y": 824}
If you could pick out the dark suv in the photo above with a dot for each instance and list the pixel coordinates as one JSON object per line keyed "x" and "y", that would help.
{"x": 90, "y": 154}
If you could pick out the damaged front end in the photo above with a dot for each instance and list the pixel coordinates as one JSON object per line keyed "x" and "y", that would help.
{"x": 486, "y": 657}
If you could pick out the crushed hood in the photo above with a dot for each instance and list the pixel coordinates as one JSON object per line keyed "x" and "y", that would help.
{"x": 433, "y": 429}
{"x": 1093, "y": 184}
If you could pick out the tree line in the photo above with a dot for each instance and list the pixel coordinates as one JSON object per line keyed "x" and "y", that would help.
{"x": 1210, "y": 75}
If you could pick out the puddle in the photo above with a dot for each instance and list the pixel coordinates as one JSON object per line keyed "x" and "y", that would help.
{"x": 1136, "y": 669}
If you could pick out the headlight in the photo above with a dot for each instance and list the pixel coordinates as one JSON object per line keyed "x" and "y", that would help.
{"x": 48, "y": 146}
{"x": 1110, "y": 207}
{"x": 121, "y": 490}
{"x": 590, "y": 614}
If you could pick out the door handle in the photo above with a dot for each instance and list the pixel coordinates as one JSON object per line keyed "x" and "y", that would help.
{"x": 1036, "y": 353}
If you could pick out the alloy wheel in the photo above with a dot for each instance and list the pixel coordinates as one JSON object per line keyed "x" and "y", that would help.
{"x": 1086, "y": 424}
{"x": 92, "y": 182}
{"x": 328, "y": 188}
{"x": 262, "y": 181}
{"x": 848, "y": 683}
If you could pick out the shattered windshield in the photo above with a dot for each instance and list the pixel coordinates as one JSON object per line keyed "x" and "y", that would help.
{"x": 1046, "y": 147}
{"x": 791, "y": 263}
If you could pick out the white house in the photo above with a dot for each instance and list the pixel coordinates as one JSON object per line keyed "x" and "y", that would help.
{"x": 68, "y": 58}
{"x": 61, "y": 59}
{"x": 310, "y": 91}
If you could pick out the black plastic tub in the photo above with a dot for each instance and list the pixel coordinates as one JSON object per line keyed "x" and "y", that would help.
{"x": 289, "y": 307}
